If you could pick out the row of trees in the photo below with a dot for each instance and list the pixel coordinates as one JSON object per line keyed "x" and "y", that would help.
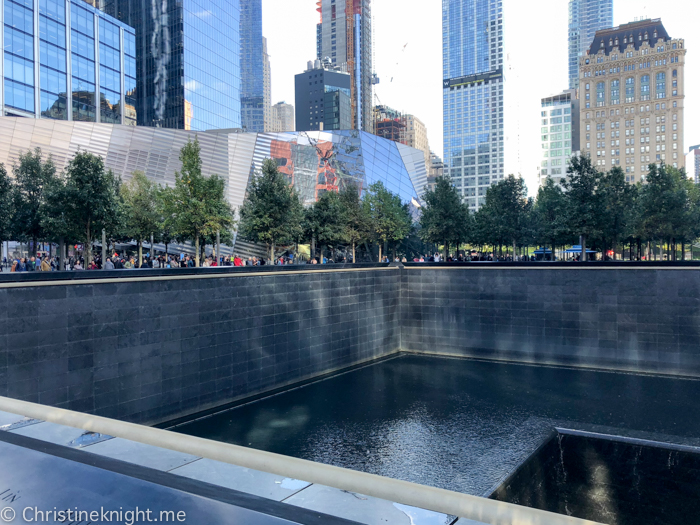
{"x": 272, "y": 214}
{"x": 38, "y": 204}
{"x": 601, "y": 210}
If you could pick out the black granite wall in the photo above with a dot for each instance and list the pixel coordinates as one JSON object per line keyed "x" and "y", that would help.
{"x": 626, "y": 318}
{"x": 151, "y": 350}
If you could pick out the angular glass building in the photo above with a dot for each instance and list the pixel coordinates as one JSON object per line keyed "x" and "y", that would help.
{"x": 314, "y": 162}
{"x": 585, "y": 18}
{"x": 472, "y": 63}
{"x": 66, "y": 60}
{"x": 187, "y": 60}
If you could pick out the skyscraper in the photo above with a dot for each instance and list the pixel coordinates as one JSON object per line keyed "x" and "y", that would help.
{"x": 322, "y": 98}
{"x": 585, "y": 18}
{"x": 344, "y": 35}
{"x": 267, "y": 87}
{"x": 252, "y": 67}
{"x": 559, "y": 134}
{"x": 472, "y": 63}
{"x": 66, "y": 60}
{"x": 282, "y": 117}
{"x": 632, "y": 98}
{"x": 187, "y": 61}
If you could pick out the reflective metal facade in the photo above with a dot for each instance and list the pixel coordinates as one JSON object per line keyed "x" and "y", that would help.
{"x": 188, "y": 61}
{"x": 314, "y": 162}
{"x": 66, "y": 60}
{"x": 472, "y": 63}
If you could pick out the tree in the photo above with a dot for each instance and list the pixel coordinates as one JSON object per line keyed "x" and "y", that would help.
{"x": 325, "y": 220}
{"x": 388, "y": 219}
{"x": 445, "y": 219}
{"x": 617, "y": 198}
{"x": 355, "y": 227}
{"x": 32, "y": 175}
{"x": 140, "y": 198}
{"x": 91, "y": 198}
{"x": 505, "y": 211}
{"x": 272, "y": 212}
{"x": 6, "y": 206}
{"x": 664, "y": 204}
{"x": 549, "y": 212}
{"x": 197, "y": 207}
{"x": 56, "y": 214}
{"x": 583, "y": 202}
{"x": 167, "y": 231}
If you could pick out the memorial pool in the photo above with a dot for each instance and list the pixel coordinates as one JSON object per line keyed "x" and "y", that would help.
{"x": 458, "y": 424}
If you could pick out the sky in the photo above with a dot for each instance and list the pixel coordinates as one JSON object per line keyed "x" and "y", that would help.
{"x": 407, "y": 43}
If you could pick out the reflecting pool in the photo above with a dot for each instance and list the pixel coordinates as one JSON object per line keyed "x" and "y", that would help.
{"x": 458, "y": 424}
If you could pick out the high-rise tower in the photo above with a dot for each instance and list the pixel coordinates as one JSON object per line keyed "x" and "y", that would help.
{"x": 585, "y": 18}
{"x": 472, "y": 87}
{"x": 344, "y": 35}
{"x": 188, "y": 71}
{"x": 253, "y": 65}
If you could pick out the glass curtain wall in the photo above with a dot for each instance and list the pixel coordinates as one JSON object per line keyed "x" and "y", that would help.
{"x": 52, "y": 53}
{"x": 19, "y": 55}
{"x": 83, "y": 63}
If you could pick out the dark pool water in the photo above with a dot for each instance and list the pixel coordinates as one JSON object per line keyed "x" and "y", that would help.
{"x": 457, "y": 424}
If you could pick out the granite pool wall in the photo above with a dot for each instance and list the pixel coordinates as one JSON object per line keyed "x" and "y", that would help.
{"x": 153, "y": 345}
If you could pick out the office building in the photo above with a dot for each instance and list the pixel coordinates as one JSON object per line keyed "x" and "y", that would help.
{"x": 344, "y": 34}
{"x": 254, "y": 67}
{"x": 559, "y": 134}
{"x": 632, "y": 98}
{"x": 282, "y": 117}
{"x": 44, "y": 41}
{"x": 322, "y": 98}
{"x": 417, "y": 137}
{"x": 435, "y": 171}
{"x": 585, "y": 18}
{"x": 188, "y": 62}
{"x": 692, "y": 164}
{"x": 267, "y": 87}
{"x": 389, "y": 123}
{"x": 473, "y": 120}
{"x": 313, "y": 162}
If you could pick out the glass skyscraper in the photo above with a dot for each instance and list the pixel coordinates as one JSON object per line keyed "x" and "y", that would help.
{"x": 472, "y": 64}
{"x": 187, "y": 60}
{"x": 252, "y": 67}
{"x": 585, "y": 18}
{"x": 66, "y": 60}
{"x": 344, "y": 34}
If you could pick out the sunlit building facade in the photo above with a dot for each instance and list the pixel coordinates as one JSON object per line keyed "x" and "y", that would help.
{"x": 66, "y": 60}
{"x": 473, "y": 81}
{"x": 559, "y": 134}
{"x": 632, "y": 98}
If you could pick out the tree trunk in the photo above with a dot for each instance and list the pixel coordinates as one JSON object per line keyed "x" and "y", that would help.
{"x": 445, "y": 248}
{"x": 353, "y": 253}
{"x": 513, "y": 249}
{"x": 196, "y": 251}
{"x": 313, "y": 246}
{"x": 682, "y": 250}
{"x": 272, "y": 254}
{"x": 86, "y": 249}
{"x": 380, "y": 252}
{"x": 584, "y": 255}
{"x": 140, "y": 244}
{"x": 166, "y": 250}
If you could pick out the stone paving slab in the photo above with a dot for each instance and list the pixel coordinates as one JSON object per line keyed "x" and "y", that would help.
{"x": 255, "y": 482}
{"x": 364, "y": 509}
{"x": 140, "y": 454}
